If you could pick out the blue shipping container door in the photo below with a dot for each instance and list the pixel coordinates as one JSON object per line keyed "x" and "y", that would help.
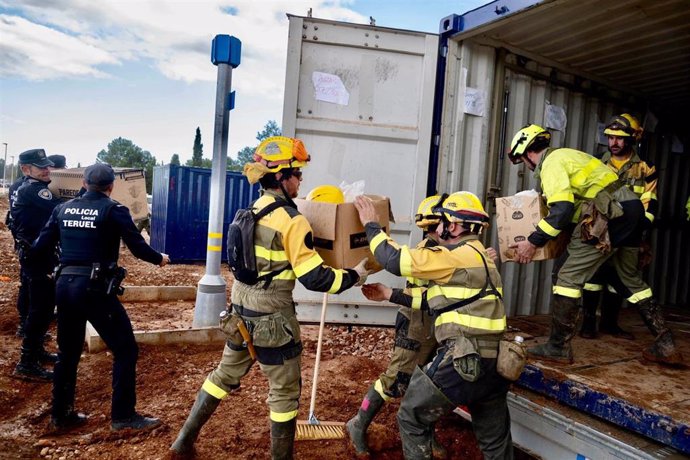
{"x": 179, "y": 215}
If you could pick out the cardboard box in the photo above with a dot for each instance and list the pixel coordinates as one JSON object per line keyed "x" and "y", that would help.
{"x": 516, "y": 218}
{"x": 339, "y": 237}
{"x": 130, "y": 187}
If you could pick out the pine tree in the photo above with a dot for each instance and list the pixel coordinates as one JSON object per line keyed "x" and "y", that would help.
{"x": 175, "y": 160}
{"x": 198, "y": 152}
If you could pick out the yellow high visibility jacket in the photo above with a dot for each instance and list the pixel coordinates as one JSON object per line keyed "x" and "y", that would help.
{"x": 283, "y": 241}
{"x": 568, "y": 178}
{"x": 454, "y": 273}
{"x": 640, "y": 177}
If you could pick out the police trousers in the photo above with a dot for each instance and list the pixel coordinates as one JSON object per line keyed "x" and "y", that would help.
{"x": 414, "y": 346}
{"x": 78, "y": 304}
{"x": 486, "y": 399}
{"x": 41, "y": 301}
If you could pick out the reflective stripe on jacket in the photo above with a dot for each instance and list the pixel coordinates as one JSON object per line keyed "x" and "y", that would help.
{"x": 568, "y": 178}
{"x": 640, "y": 177}
{"x": 455, "y": 273}
{"x": 283, "y": 240}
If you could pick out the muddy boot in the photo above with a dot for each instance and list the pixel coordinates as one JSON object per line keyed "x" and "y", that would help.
{"x": 30, "y": 369}
{"x": 563, "y": 321}
{"x": 47, "y": 357}
{"x": 282, "y": 439}
{"x": 203, "y": 408}
{"x": 67, "y": 421}
{"x": 357, "y": 426}
{"x": 610, "y": 309}
{"x": 135, "y": 422}
{"x": 663, "y": 350}
{"x": 590, "y": 302}
{"x": 420, "y": 409}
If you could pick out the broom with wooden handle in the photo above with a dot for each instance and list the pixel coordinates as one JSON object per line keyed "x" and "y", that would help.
{"x": 313, "y": 429}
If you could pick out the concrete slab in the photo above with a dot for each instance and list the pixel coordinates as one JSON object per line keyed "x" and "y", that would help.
{"x": 205, "y": 335}
{"x": 157, "y": 293}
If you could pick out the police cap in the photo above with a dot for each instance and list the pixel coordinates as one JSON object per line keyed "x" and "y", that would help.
{"x": 99, "y": 174}
{"x": 58, "y": 161}
{"x": 35, "y": 157}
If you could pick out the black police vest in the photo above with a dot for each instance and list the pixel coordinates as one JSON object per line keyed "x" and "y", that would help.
{"x": 84, "y": 235}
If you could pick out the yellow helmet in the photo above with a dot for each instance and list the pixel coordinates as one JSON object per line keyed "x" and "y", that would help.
{"x": 326, "y": 194}
{"x": 279, "y": 152}
{"x": 464, "y": 207}
{"x": 524, "y": 138}
{"x": 624, "y": 125}
{"x": 426, "y": 216}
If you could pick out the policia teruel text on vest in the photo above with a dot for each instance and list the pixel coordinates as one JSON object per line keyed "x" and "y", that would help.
{"x": 89, "y": 229}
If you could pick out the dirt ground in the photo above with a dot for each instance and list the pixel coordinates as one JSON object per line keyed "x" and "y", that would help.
{"x": 169, "y": 377}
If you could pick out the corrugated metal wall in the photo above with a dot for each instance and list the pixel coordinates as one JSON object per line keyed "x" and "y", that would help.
{"x": 180, "y": 209}
{"x": 517, "y": 91}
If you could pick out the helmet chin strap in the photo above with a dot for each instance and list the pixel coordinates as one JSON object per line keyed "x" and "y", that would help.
{"x": 285, "y": 194}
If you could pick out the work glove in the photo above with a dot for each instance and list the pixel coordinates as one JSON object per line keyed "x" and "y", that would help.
{"x": 362, "y": 271}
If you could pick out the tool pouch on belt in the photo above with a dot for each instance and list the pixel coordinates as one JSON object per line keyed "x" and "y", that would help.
{"x": 228, "y": 323}
{"x": 512, "y": 359}
{"x": 273, "y": 331}
{"x": 466, "y": 359}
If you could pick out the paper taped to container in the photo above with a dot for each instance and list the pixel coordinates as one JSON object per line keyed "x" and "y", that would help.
{"x": 129, "y": 188}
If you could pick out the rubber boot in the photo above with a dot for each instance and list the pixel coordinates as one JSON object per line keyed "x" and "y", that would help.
{"x": 204, "y": 406}
{"x": 563, "y": 321}
{"x": 422, "y": 406}
{"x": 282, "y": 439}
{"x": 357, "y": 426}
{"x": 663, "y": 350}
{"x": 590, "y": 302}
{"x": 610, "y": 310}
{"x": 30, "y": 369}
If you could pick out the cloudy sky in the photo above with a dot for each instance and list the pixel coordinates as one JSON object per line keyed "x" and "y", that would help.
{"x": 76, "y": 74}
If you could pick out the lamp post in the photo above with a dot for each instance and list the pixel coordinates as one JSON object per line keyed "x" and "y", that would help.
{"x": 4, "y": 167}
{"x": 12, "y": 180}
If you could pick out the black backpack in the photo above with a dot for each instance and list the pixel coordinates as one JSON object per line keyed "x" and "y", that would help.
{"x": 241, "y": 258}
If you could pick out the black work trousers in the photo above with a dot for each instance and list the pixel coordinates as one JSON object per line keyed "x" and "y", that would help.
{"x": 77, "y": 304}
{"x": 23, "y": 296}
{"x": 41, "y": 291}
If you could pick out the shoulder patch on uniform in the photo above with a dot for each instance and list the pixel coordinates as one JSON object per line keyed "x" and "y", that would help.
{"x": 45, "y": 194}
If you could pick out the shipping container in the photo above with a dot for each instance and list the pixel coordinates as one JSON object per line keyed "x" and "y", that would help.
{"x": 180, "y": 209}
{"x": 568, "y": 65}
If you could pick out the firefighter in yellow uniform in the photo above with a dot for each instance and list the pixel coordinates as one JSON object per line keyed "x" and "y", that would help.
{"x": 464, "y": 295}
{"x": 414, "y": 338}
{"x": 623, "y": 132}
{"x": 283, "y": 245}
{"x": 610, "y": 218}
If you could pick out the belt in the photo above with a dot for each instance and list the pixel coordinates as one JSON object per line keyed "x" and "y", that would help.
{"x": 76, "y": 270}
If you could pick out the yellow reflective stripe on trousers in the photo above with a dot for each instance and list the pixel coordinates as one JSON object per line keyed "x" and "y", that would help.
{"x": 285, "y": 275}
{"x": 582, "y": 175}
{"x": 416, "y": 294}
{"x": 377, "y": 240}
{"x": 457, "y": 292}
{"x": 311, "y": 263}
{"x": 548, "y": 228}
{"x": 378, "y": 386}
{"x": 567, "y": 292}
{"x": 213, "y": 389}
{"x": 283, "y": 416}
{"x": 640, "y": 296}
{"x": 593, "y": 287}
{"x": 474, "y": 322}
{"x": 562, "y": 196}
{"x": 405, "y": 261}
{"x": 269, "y": 254}
{"x": 337, "y": 282}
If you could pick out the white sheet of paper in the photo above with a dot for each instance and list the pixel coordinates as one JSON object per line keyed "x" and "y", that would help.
{"x": 329, "y": 88}
{"x": 475, "y": 101}
{"x": 555, "y": 117}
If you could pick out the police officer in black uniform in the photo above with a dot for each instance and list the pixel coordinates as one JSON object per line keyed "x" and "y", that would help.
{"x": 30, "y": 211}
{"x": 89, "y": 229}
{"x": 59, "y": 161}
{"x": 23, "y": 295}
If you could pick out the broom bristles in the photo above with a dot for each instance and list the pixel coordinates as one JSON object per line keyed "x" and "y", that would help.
{"x": 321, "y": 430}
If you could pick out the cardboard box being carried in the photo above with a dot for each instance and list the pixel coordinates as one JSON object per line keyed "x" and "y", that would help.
{"x": 129, "y": 189}
{"x": 516, "y": 218}
{"x": 339, "y": 236}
